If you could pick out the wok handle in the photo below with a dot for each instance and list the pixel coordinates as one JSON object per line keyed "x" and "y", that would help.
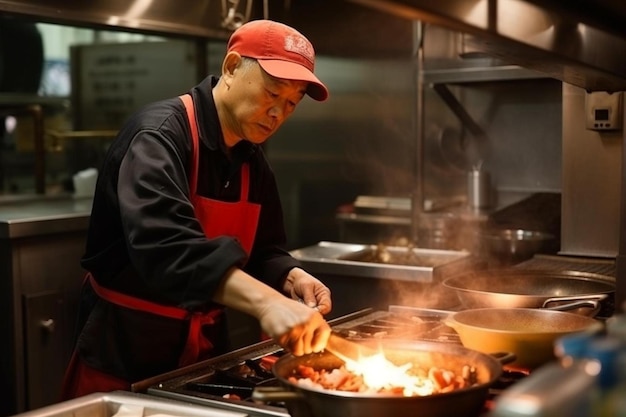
{"x": 592, "y": 301}
{"x": 504, "y": 357}
{"x": 275, "y": 394}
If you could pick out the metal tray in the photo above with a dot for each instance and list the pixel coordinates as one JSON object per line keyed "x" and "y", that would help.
{"x": 358, "y": 260}
{"x": 117, "y": 402}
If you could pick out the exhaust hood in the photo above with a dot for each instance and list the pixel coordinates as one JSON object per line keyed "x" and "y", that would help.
{"x": 580, "y": 43}
{"x": 198, "y": 18}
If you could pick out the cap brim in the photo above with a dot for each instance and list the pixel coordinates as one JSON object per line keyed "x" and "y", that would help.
{"x": 292, "y": 71}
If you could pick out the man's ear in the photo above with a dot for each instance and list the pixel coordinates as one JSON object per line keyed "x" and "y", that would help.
{"x": 232, "y": 60}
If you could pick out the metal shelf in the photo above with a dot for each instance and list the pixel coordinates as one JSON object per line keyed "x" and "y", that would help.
{"x": 19, "y": 100}
{"x": 479, "y": 74}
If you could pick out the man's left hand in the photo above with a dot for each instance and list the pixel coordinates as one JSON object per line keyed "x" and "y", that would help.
{"x": 302, "y": 286}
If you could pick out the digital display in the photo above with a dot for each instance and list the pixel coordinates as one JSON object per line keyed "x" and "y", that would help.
{"x": 602, "y": 114}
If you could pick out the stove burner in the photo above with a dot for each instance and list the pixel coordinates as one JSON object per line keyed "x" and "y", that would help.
{"x": 401, "y": 323}
{"x": 227, "y": 381}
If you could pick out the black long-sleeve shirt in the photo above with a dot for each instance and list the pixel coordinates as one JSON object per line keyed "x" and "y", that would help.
{"x": 142, "y": 218}
{"x": 144, "y": 240}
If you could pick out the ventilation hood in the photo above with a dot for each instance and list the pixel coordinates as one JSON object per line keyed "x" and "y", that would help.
{"x": 581, "y": 43}
{"x": 197, "y": 18}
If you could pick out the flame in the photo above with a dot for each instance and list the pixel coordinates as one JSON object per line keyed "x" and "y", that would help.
{"x": 379, "y": 373}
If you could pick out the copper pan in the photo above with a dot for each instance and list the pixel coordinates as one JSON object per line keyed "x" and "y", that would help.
{"x": 577, "y": 292}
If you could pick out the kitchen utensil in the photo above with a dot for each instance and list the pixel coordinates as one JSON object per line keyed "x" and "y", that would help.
{"x": 513, "y": 245}
{"x": 516, "y": 288}
{"x": 479, "y": 188}
{"x": 347, "y": 350}
{"x": 312, "y": 402}
{"x": 528, "y": 333}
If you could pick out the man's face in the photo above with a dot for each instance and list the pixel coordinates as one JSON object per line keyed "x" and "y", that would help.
{"x": 259, "y": 103}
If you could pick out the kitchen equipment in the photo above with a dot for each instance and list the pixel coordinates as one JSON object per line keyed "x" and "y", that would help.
{"x": 308, "y": 402}
{"x": 128, "y": 404}
{"x": 357, "y": 275}
{"x": 516, "y": 288}
{"x": 513, "y": 245}
{"x": 347, "y": 350}
{"x": 85, "y": 182}
{"x": 245, "y": 369}
{"x": 479, "y": 188}
{"x": 364, "y": 260}
{"x": 528, "y": 333}
{"x": 575, "y": 383}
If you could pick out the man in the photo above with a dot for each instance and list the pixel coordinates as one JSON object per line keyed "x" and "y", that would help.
{"x": 186, "y": 219}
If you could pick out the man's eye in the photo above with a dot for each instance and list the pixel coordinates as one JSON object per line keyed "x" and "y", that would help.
{"x": 272, "y": 94}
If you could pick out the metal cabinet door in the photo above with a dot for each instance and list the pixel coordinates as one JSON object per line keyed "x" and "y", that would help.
{"x": 46, "y": 335}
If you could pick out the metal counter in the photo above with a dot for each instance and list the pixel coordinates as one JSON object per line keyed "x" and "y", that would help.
{"x": 357, "y": 283}
{"x": 127, "y": 404}
{"x": 36, "y": 216}
{"x": 349, "y": 259}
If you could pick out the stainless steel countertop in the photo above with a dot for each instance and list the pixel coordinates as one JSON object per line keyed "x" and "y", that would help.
{"x": 345, "y": 259}
{"x": 128, "y": 404}
{"x": 41, "y": 215}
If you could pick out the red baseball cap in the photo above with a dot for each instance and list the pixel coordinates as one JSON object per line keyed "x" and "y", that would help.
{"x": 282, "y": 52}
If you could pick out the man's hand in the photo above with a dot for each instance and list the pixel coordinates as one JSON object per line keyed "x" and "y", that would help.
{"x": 304, "y": 287}
{"x": 296, "y": 327}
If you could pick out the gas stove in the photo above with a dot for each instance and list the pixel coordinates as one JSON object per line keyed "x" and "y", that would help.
{"x": 227, "y": 381}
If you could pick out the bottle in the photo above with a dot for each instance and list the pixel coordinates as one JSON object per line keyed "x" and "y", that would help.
{"x": 573, "y": 347}
{"x": 610, "y": 354}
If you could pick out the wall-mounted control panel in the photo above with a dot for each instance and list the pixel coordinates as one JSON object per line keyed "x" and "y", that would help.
{"x": 604, "y": 110}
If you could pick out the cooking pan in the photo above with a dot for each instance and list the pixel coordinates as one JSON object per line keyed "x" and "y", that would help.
{"x": 578, "y": 292}
{"x": 529, "y": 333}
{"x": 313, "y": 402}
{"x": 514, "y": 245}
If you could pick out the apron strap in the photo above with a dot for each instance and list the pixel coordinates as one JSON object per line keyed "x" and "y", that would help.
{"x": 133, "y": 303}
{"x": 191, "y": 117}
{"x": 245, "y": 181}
{"x": 196, "y": 342}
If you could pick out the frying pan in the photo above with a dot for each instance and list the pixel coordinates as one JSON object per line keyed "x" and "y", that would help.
{"x": 577, "y": 292}
{"x": 312, "y": 402}
{"x": 529, "y": 333}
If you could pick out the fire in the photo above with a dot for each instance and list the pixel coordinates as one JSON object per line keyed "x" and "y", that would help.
{"x": 374, "y": 373}
{"x": 379, "y": 374}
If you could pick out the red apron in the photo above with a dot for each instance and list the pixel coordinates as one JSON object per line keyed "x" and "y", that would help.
{"x": 217, "y": 218}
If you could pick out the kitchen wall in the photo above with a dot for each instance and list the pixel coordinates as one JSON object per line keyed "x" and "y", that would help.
{"x": 519, "y": 113}
{"x": 362, "y": 141}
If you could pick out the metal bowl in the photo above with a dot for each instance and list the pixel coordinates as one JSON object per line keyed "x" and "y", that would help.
{"x": 514, "y": 244}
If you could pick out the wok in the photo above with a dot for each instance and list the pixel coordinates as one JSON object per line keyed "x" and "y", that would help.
{"x": 312, "y": 402}
{"x": 578, "y": 292}
{"x": 527, "y": 332}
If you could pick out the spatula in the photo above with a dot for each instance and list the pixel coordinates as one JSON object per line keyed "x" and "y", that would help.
{"x": 347, "y": 350}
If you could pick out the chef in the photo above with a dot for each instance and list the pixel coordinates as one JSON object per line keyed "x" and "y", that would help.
{"x": 187, "y": 220}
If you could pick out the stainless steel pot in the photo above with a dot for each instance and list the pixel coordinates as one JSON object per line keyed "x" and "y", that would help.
{"x": 513, "y": 245}
{"x": 577, "y": 292}
{"x": 310, "y": 402}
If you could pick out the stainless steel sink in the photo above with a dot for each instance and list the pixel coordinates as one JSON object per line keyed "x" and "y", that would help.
{"x": 391, "y": 262}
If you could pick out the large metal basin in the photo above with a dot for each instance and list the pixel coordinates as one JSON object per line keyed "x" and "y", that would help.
{"x": 398, "y": 263}
{"x": 109, "y": 404}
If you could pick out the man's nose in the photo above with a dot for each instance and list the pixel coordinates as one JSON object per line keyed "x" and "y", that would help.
{"x": 277, "y": 111}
